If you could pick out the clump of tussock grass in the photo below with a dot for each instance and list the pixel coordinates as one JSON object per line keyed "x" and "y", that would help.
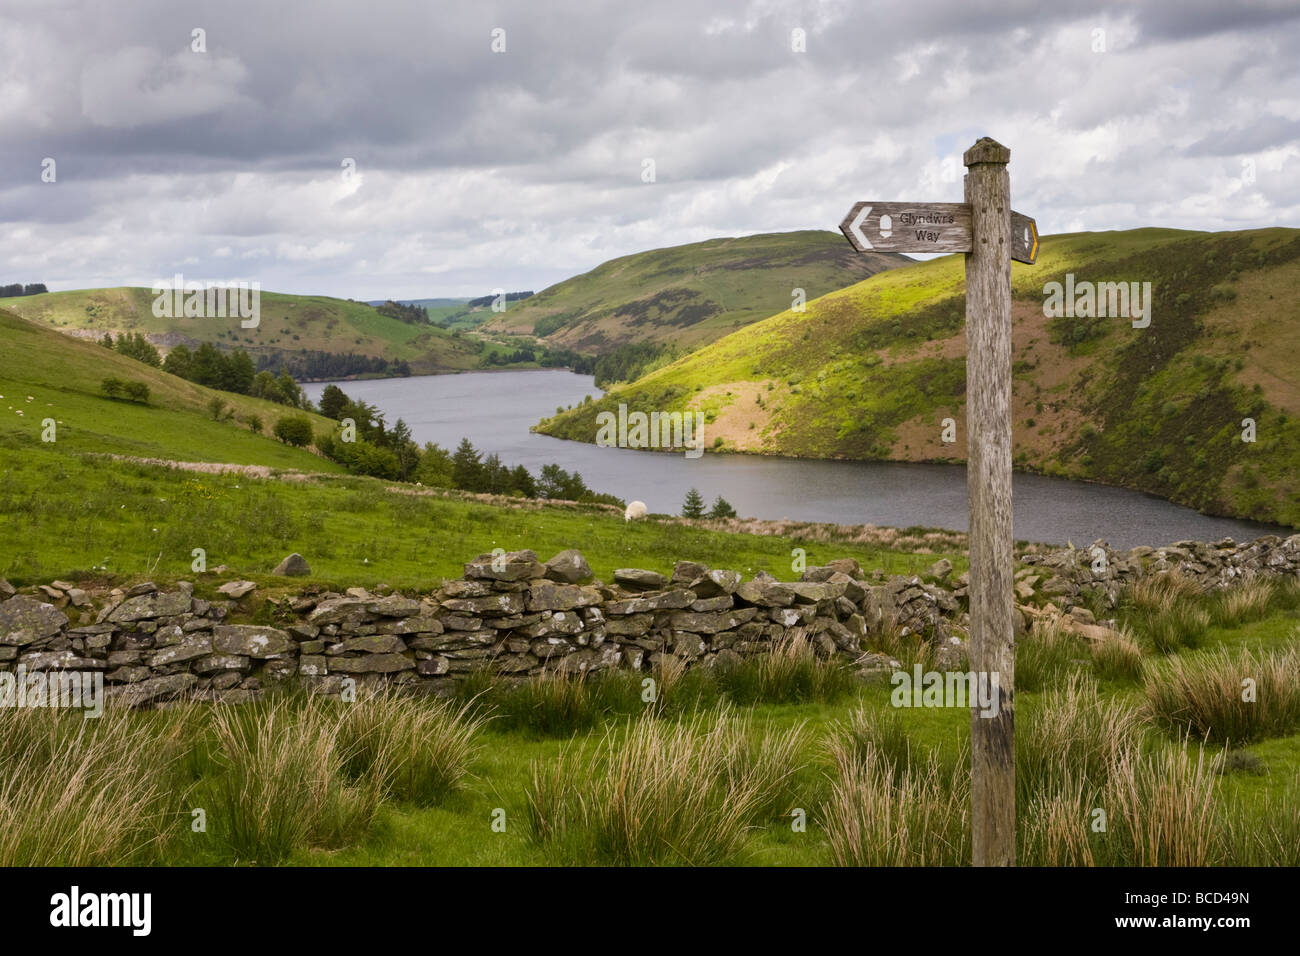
{"x": 679, "y": 690}
{"x": 1286, "y": 594}
{"x": 791, "y": 673}
{"x": 1155, "y": 809}
{"x": 1168, "y": 610}
{"x": 559, "y": 705}
{"x": 1116, "y": 659}
{"x": 1206, "y": 694}
{"x": 664, "y": 792}
{"x": 280, "y": 784}
{"x": 79, "y": 792}
{"x": 868, "y": 734}
{"x": 551, "y": 704}
{"x": 1161, "y": 592}
{"x": 1243, "y": 602}
{"x": 1072, "y": 733}
{"x": 883, "y": 813}
{"x": 1047, "y": 655}
{"x": 1162, "y": 808}
{"x": 417, "y": 749}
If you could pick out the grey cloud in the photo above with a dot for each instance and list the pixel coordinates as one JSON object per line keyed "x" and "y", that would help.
{"x": 522, "y": 168}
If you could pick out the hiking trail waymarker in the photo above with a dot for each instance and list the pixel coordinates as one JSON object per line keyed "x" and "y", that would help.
{"x": 991, "y": 234}
{"x": 928, "y": 227}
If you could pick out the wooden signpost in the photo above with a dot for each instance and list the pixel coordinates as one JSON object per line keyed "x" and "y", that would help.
{"x": 991, "y": 234}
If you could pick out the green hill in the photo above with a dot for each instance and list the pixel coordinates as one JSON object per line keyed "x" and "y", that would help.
{"x": 870, "y": 372}
{"x": 688, "y": 295}
{"x": 45, "y": 375}
{"x": 290, "y": 328}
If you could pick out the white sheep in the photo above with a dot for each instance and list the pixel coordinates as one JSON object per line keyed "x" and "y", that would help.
{"x": 635, "y": 511}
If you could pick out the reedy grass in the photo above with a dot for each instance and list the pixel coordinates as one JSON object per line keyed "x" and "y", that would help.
{"x": 417, "y": 749}
{"x": 1162, "y": 808}
{"x": 1054, "y": 825}
{"x": 867, "y": 734}
{"x": 791, "y": 673}
{"x": 559, "y": 705}
{"x": 1073, "y": 734}
{"x": 86, "y": 792}
{"x": 1047, "y": 655}
{"x": 1169, "y": 610}
{"x": 663, "y": 792}
{"x": 883, "y": 813}
{"x": 1265, "y": 834}
{"x": 1207, "y": 694}
{"x": 281, "y": 785}
{"x": 1245, "y": 601}
{"x": 908, "y": 649}
{"x": 1117, "y": 659}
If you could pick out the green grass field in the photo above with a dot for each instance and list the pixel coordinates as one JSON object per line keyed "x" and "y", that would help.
{"x": 65, "y": 513}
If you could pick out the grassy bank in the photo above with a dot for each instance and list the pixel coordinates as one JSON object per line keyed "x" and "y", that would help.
{"x": 73, "y": 515}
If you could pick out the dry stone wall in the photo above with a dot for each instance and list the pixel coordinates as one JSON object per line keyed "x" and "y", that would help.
{"x": 520, "y": 617}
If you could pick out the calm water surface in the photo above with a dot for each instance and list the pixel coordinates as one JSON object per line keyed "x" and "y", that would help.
{"x": 495, "y": 410}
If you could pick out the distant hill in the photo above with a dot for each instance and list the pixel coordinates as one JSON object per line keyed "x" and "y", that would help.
{"x": 870, "y": 371}
{"x": 293, "y": 328}
{"x": 689, "y": 295}
{"x": 423, "y": 303}
{"x": 47, "y": 375}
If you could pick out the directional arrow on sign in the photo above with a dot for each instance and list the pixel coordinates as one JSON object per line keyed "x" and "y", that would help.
{"x": 908, "y": 227}
{"x": 1024, "y": 238}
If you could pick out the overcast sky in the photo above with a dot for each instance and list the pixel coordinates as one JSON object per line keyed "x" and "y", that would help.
{"x": 476, "y": 169}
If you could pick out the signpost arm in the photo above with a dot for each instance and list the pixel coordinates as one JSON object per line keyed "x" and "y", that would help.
{"x": 988, "y": 434}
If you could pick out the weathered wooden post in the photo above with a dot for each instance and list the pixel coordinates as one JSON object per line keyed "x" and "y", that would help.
{"x": 988, "y": 471}
{"x": 991, "y": 234}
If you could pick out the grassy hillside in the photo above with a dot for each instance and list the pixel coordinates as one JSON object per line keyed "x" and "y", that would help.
{"x": 68, "y": 511}
{"x": 689, "y": 295}
{"x": 289, "y": 324}
{"x": 872, "y": 370}
{"x": 44, "y": 375}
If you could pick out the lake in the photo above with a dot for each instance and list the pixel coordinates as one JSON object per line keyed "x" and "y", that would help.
{"x": 496, "y": 409}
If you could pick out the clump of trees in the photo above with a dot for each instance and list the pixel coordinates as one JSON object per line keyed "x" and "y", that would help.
{"x": 629, "y": 362}
{"x": 545, "y": 356}
{"x": 314, "y": 364}
{"x": 233, "y": 372}
{"x": 135, "y": 346}
{"x": 693, "y": 506}
{"x": 122, "y": 388}
{"x": 410, "y": 314}
{"x": 17, "y": 288}
{"x": 294, "y": 430}
{"x": 486, "y": 300}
